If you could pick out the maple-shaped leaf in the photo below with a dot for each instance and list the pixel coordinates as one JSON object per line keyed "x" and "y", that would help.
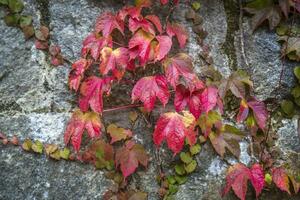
{"x": 114, "y": 60}
{"x": 156, "y": 22}
{"x": 183, "y": 98}
{"x": 131, "y": 11}
{"x": 209, "y": 120}
{"x": 144, "y": 24}
{"x": 130, "y": 156}
{"x": 209, "y": 99}
{"x": 259, "y": 110}
{"x": 89, "y": 121}
{"x": 140, "y": 46}
{"x": 92, "y": 91}
{"x": 264, "y": 11}
{"x": 291, "y": 47}
{"x": 93, "y": 44}
{"x": 163, "y": 47}
{"x": 101, "y": 154}
{"x": 77, "y": 72}
{"x": 107, "y": 22}
{"x": 147, "y": 89}
{"x": 237, "y": 83}
{"x": 175, "y": 29}
{"x": 281, "y": 179}
{"x": 226, "y": 138}
{"x": 180, "y": 67}
{"x": 243, "y": 111}
{"x": 237, "y": 178}
{"x": 175, "y": 128}
{"x": 117, "y": 133}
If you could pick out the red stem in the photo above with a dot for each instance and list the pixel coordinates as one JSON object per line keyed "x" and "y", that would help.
{"x": 122, "y": 107}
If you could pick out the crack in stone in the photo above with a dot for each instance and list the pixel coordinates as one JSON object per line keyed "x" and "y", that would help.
{"x": 232, "y": 18}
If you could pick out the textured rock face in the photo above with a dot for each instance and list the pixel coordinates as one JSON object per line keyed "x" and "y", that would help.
{"x": 35, "y": 101}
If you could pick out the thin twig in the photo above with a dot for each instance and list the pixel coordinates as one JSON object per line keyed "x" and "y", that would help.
{"x": 122, "y": 107}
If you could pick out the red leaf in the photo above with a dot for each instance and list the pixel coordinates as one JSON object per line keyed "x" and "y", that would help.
{"x": 145, "y": 25}
{"x": 163, "y": 47}
{"x": 93, "y": 44}
{"x": 257, "y": 178}
{"x": 79, "y": 122}
{"x": 163, "y": 2}
{"x": 237, "y": 177}
{"x": 57, "y": 60}
{"x": 114, "y": 60}
{"x": 179, "y": 31}
{"x": 42, "y": 45}
{"x": 177, "y": 67}
{"x": 174, "y": 128}
{"x": 92, "y": 91}
{"x": 243, "y": 111}
{"x": 147, "y": 89}
{"x": 281, "y": 179}
{"x": 132, "y": 11}
{"x": 107, "y": 22}
{"x": 140, "y": 45}
{"x": 77, "y": 72}
{"x": 183, "y": 98}
{"x": 155, "y": 21}
{"x": 130, "y": 156}
{"x": 260, "y": 112}
{"x": 209, "y": 98}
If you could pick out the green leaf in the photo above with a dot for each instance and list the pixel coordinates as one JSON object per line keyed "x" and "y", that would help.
{"x": 37, "y": 147}
{"x": 25, "y": 20}
{"x": 297, "y": 72}
{"x": 55, "y": 155}
{"x": 171, "y": 180}
{"x": 186, "y": 157}
{"x": 27, "y": 144}
{"x": 196, "y": 5}
{"x": 12, "y": 19}
{"x": 287, "y": 107}
{"x": 259, "y": 4}
{"x": 4, "y": 2}
{"x": 180, "y": 179}
{"x": 296, "y": 91}
{"x": 65, "y": 153}
{"x": 297, "y": 101}
{"x": 15, "y": 6}
{"x": 268, "y": 178}
{"x": 202, "y": 139}
{"x": 195, "y": 149}
{"x": 179, "y": 169}
{"x": 191, "y": 166}
{"x": 172, "y": 189}
{"x": 282, "y": 30}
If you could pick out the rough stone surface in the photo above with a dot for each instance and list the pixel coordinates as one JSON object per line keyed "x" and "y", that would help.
{"x": 35, "y": 102}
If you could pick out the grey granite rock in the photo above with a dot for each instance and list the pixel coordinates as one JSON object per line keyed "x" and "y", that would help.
{"x": 35, "y": 102}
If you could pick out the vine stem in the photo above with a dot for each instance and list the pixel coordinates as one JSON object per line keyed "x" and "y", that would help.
{"x": 122, "y": 107}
